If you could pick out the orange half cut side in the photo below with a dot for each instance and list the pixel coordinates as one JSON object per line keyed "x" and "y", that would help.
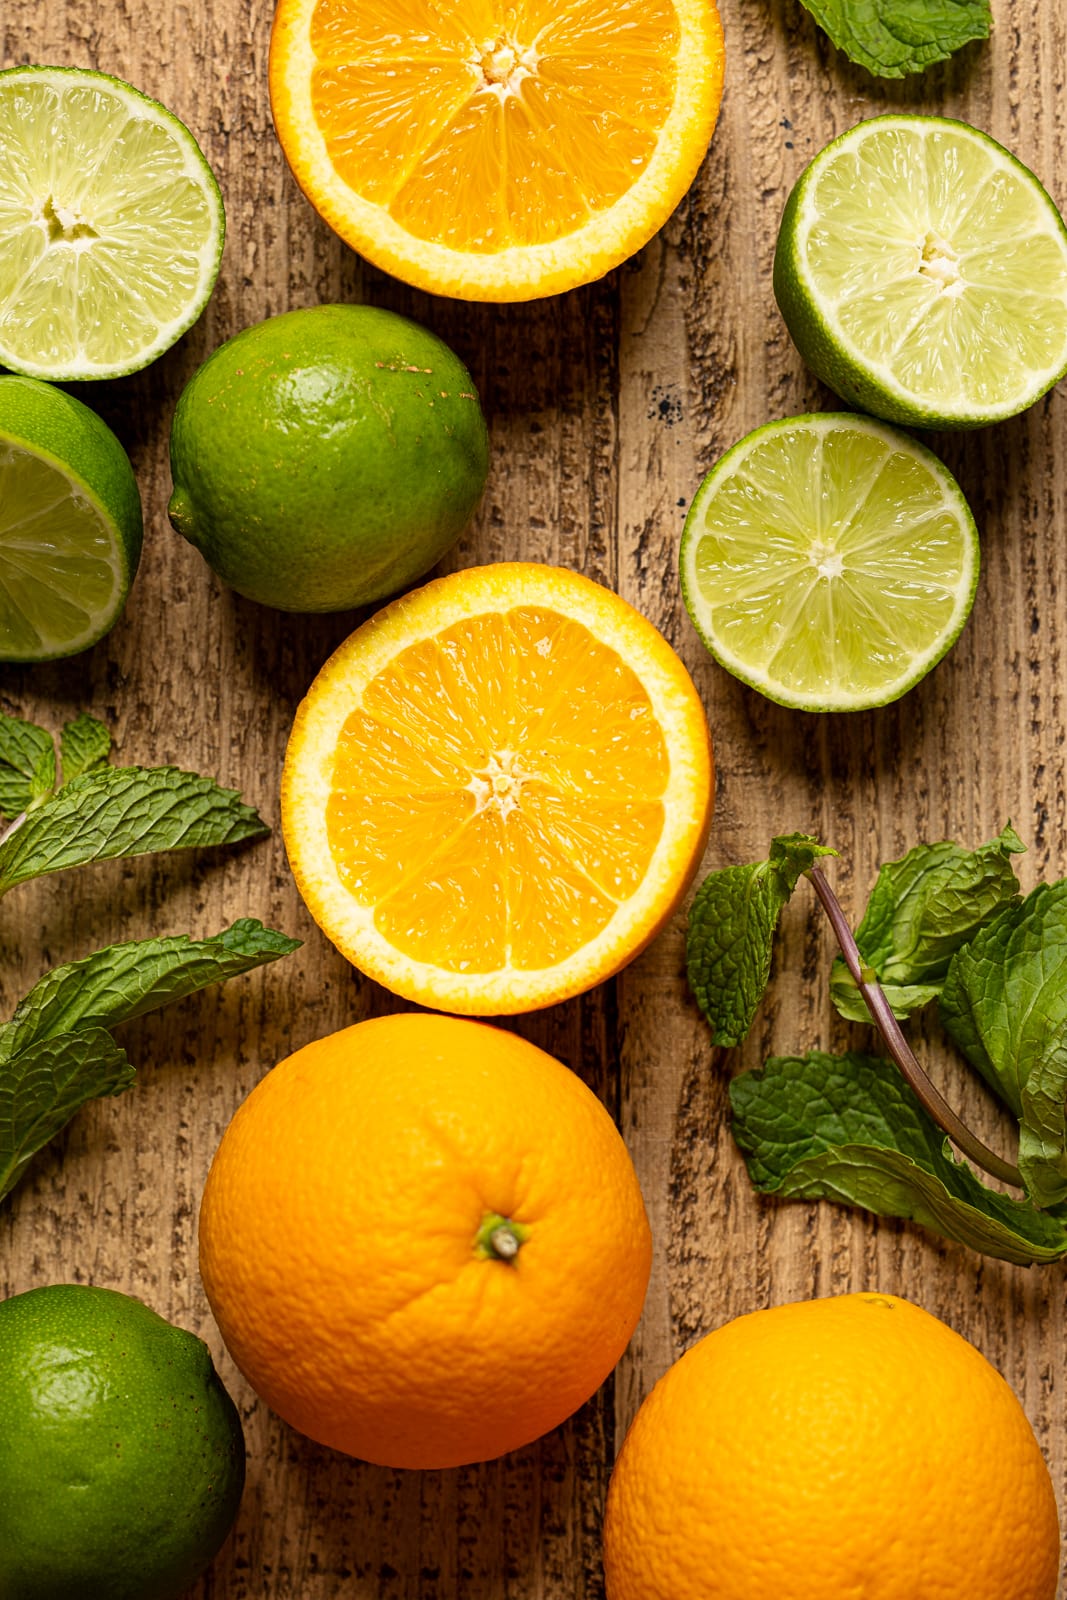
{"x": 497, "y": 790}
{"x": 493, "y": 150}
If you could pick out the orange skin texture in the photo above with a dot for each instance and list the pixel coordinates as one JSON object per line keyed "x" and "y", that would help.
{"x": 852, "y": 1448}
{"x": 338, "y": 1229}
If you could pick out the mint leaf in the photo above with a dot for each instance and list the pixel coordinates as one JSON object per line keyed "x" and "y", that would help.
{"x": 55, "y": 1053}
{"x": 27, "y": 765}
{"x": 922, "y": 909}
{"x": 1005, "y": 1005}
{"x": 124, "y": 811}
{"x": 731, "y": 930}
{"x": 44, "y": 1085}
{"x": 84, "y": 745}
{"x": 848, "y": 1128}
{"x": 125, "y": 980}
{"x": 892, "y": 38}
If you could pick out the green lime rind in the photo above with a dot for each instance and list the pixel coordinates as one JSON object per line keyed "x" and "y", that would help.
{"x": 68, "y": 559}
{"x": 829, "y": 562}
{"x": 123, "y": 1460}
{"x": 861, "y": 274}
{"x": 114, "y": 225}
{"x": 327, "y": 457}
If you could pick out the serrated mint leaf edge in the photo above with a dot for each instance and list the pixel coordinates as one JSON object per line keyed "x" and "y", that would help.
{"x": 84, "y": 745}
{"x": 837, "y": 20}
{"x": 123, "y": 981}
{"x": 928, "y": 1203}
{"x": 125, "y": 811}
{"x": 27, "y": 765}
{"x": 92, "y": 1065}
{"x": 797, "y": 1161}
{"x": 896, "y": 884}
{"x": 745, "y": 960}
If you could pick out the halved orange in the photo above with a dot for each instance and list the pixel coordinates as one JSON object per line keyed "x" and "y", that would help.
{"x": 496, "y": 149}
{"x": 497, "y": 791}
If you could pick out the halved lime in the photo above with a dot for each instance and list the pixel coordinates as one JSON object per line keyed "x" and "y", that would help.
{"x": 111, "y": 225}
{"x": 922, "y": 272}
{"x": 70, "y": 523}
{"x": 829, "y": 561}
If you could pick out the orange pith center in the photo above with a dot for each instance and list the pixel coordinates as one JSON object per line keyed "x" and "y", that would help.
{"x": 498, "y": 792}
{"x": 486, "y": 125}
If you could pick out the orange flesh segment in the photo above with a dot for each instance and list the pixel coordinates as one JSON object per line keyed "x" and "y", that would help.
{"x": 498, "y": 793}
{"x": 508, "y": 125}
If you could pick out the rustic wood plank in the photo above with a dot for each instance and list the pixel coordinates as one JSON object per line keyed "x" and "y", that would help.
{"x": 606, "y": 406}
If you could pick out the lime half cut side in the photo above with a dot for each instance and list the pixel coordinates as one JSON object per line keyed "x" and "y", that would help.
{"x": 829, "y": 562}
{"x": 922, "y": 272}
{"x": 111, "y": 225}
{"x": 70, "y": 523}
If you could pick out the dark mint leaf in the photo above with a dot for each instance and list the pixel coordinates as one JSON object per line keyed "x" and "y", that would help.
{"x": 848, "y": 1128}
{"x": 1005, "y": 1005}
{"x": 43, "y": 1086}
{"x": 892, "y": 38}
{"x": 731, "y": 930}
{"x": 922, "y": 909}
{"x": 27, "y": 766}
{"x": 124, "y": 811}
{"x": 125, "y": 980}
{"x": 84, "y": 745}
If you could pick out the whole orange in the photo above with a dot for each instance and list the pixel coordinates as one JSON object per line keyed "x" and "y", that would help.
{"x": 424, "y": 1241}
{"x": 852, "y": 1448}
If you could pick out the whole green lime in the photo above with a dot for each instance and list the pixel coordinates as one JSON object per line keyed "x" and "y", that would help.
{"x": 326, "y": 458}
{"x": 70, "y": 523}
{"x": 121, "y": 1454}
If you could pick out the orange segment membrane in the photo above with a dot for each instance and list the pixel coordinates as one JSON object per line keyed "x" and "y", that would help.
{"x": 498, "y": 793}
{"x": 508, "y": 126}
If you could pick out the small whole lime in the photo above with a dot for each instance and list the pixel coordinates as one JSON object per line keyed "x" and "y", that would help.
{"x": 327, "y": 457}
{"x": 122, "y": 1458}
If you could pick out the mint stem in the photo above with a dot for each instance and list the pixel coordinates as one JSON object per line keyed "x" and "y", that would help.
{"x": 5, "y": 833}
{"x": 899, "y": 1048}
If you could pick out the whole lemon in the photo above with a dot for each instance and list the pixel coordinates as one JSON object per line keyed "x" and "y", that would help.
{"x": 828, "y": 1450}
{"x": 424, "y": 1241}
{"x": 326, "y": 458}
{"x": 121, "y": 1455}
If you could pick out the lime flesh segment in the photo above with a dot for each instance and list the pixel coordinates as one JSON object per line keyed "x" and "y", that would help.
{"x": 111, "y": 225}
{"x": 922, "y": 271}
{"x": 829, "y": 562}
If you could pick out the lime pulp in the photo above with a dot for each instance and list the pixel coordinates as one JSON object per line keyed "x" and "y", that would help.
{"x": 829, "y": 562}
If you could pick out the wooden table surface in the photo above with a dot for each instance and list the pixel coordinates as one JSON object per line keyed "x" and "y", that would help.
{"x": 606, "y": 406}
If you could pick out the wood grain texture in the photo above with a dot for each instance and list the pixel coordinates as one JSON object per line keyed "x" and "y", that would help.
{"x": 606, "y": 407}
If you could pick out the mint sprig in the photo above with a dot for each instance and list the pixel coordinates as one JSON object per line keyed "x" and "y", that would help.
{"x": 893, "y": 38}
{"x": 44, "y": 1085}
{"x": 922, "y": 909}
{"x": 124, "y": 811}
{"x": 731, "y": 933}
{"x": 871, "y": 1131}
{"x": 27, "y": 765}
{"x": 848, "y": 1128}
{"x": 56, "y": 1052}
{"x": 1005, "y": 1005}
{"x": 84, "y": 745}
{"x": 124, "y": 981}
{"x": 80, "y": 809}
